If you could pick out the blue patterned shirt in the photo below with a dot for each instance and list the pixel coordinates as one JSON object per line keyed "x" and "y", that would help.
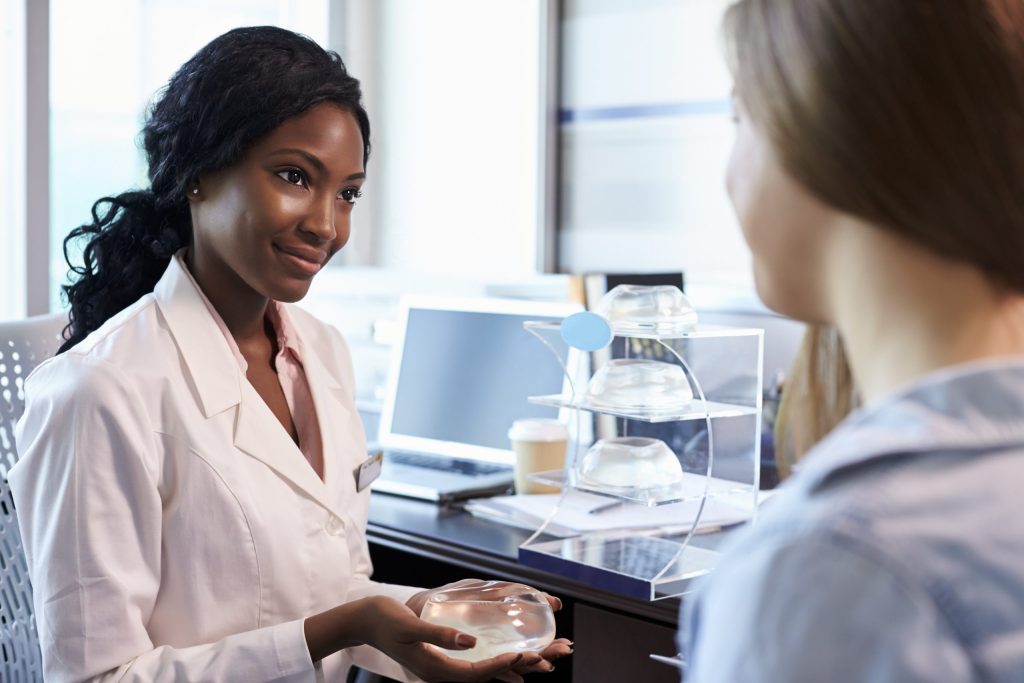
{"x": 896, "y": 553}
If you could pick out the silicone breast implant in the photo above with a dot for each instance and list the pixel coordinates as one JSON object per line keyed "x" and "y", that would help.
{"x": 660, "y": 311}
{"x": 630, "y": 462}
{"x": 504, "y": 617}
{"x": 640, "y": 384}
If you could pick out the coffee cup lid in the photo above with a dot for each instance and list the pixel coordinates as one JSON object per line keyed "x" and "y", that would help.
{"x": 538, "y": 429}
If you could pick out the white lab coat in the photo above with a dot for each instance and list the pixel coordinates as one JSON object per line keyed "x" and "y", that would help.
{"x": 174, "y": 531}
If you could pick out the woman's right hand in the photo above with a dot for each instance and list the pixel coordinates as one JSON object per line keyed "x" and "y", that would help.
{"x": 397, "y": 632}
{"x": 393, "y": 628}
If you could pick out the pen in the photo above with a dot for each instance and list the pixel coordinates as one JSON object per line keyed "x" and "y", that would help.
{"x": 605, "y": 506}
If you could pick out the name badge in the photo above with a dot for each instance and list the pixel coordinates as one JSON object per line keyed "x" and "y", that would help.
{"x": 369, "y": 470}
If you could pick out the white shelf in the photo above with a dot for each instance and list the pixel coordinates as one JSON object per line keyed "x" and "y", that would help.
{"x": 638, "y": 566}
{"x": 691, "y": 411}
{"x": 691, "y": 488}
{"x": 700, "y": 332}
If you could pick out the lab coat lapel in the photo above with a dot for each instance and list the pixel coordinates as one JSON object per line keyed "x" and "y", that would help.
{"x": 208, "y": 359}
{"x": 259, "y": 434}
{"x": 332, "y": 414}
{"x": 220, "y": 384}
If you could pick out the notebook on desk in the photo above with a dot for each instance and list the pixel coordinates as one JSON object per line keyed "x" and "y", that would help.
{"x": 461, "y": 372}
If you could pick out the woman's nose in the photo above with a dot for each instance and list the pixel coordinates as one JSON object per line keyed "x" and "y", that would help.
{"x": 320, "y": 220}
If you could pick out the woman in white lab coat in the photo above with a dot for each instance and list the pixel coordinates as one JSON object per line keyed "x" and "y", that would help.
{"x": 187, "y": 486}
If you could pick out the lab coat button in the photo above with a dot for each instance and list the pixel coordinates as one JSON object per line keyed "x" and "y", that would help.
{"x": 334, "y": 526}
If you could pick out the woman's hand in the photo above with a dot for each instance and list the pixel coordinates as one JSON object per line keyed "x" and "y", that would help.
{"x": 392, "y": 628}
{"x": 395, "y": 630}
{"x": 556, "y": 650}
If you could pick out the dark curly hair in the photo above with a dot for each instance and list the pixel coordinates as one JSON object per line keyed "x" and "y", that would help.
{"x": 235, "y": 90}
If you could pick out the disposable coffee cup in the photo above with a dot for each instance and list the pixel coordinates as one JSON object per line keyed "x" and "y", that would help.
{"x": 539, "y": 446}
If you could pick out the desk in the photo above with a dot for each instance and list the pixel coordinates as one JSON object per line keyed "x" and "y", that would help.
{"x": 418, "y": 543}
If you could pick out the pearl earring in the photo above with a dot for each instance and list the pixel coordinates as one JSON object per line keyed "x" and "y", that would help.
{"x": 195, "y": 190}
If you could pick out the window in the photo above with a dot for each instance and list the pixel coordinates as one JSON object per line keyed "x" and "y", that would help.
{"x": 106, "y": 61}
{"x": 645, "y": 137}
{"x": 454, "y": 99}
{"x": 12, "y": 159}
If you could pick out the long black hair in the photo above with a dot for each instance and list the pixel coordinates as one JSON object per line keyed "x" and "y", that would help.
{"x": 235, "y": 90}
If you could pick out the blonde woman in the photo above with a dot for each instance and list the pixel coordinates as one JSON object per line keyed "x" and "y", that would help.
{"x": 878, "y": 175}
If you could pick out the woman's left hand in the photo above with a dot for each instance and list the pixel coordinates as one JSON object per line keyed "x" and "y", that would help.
{"x": 558, "y": 648}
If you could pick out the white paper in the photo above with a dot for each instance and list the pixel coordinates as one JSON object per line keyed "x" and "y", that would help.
{"x": 574, "y": 514}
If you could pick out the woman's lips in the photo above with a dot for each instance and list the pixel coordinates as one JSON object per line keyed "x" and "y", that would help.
{"x": 306, "y": 260}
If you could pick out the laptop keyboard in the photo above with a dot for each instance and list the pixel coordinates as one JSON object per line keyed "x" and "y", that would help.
{"x": 467, "y": 467}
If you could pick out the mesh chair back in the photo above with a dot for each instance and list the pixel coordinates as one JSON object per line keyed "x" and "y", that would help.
{"x": 23, "y": 345}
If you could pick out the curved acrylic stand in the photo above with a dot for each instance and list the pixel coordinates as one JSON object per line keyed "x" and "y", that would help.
{"x": 631, "y": 563}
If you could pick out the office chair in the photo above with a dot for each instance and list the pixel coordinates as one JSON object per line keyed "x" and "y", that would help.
{"x": 23, "y": 345}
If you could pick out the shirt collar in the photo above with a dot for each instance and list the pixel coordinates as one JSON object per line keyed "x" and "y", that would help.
{"x": 277, "y": 313}
{"x": 975, "y": 406}
{"x": 284, "y": 328}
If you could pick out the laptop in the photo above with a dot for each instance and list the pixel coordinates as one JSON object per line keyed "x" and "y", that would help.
{"x": 461, "y": 372}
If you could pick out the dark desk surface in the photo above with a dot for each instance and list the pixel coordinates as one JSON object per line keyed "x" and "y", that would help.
{"x": 486, "y": 549}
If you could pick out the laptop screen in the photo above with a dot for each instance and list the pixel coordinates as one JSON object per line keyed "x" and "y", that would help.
{"x": 464, "y": 374}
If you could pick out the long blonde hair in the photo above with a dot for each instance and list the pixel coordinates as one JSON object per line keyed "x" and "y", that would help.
{"x": 818, "y": 393}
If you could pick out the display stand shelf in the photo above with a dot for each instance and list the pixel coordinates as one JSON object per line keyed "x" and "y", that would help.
{"x": 638, "y": 566}
{"x": 692, "y": 487}
{"x": 696, "y": 410}
{"x": 699, "y": 332}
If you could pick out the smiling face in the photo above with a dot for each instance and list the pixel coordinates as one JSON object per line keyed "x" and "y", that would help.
{"x": 264, "y": 227}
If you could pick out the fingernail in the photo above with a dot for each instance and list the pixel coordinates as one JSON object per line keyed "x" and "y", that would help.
{"x": 463, "y": 640}
{"x": 550, "y": 667}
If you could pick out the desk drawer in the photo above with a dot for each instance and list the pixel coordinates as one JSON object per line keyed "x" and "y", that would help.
{"x": 614, "y": 648}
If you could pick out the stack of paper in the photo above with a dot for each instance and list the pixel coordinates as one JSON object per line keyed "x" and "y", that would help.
{"x": 581, "y": 512}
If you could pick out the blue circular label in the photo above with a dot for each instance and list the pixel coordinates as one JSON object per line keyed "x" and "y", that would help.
{"x": 586, "y": 331}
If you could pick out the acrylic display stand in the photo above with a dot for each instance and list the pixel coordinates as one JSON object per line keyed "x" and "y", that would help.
{"x": 716, "y": 437}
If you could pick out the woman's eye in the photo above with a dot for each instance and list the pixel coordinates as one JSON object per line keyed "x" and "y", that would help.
{"x": 351, "y": 194}
{"x": 293, "y": 176}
